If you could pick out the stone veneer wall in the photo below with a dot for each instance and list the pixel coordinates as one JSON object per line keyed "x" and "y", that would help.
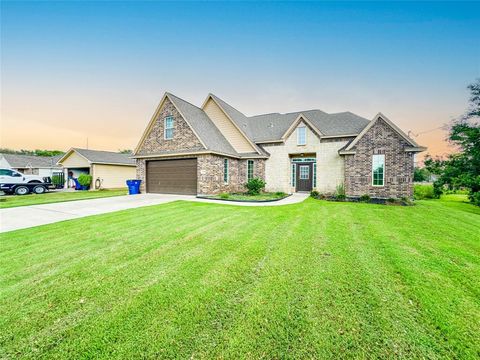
{"x": 330, "y": 165}
{"x": 183, "y": 136}
{"x": 399, "y": 166}
{"x": 210, "y": 174}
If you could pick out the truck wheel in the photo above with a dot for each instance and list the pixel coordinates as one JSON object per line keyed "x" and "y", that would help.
{"x": 39, "y": 189}
{"x": 22, "y": 190}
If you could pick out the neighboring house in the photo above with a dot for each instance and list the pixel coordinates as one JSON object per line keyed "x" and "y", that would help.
{"x": 108, "y": 169}
{"x": 190, "y": 150}
{"x": 31, "y": 164}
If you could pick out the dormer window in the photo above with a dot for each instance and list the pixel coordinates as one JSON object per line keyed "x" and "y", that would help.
{"x": 302, "y": 135}
{"x": 168, "y": 128}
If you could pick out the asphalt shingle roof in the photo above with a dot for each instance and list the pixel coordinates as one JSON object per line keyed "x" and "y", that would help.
{"x": 272, "y": 126}
{"x": 203, "y": 126}
{"x": 240, "y": 120}
{"x": 108, "y": 157}
{"x": 31, "y": 161}
{"x": 262, "y": 128}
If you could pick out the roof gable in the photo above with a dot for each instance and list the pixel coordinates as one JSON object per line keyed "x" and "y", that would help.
{"x": 197, "y": 120}
{"x": 391, "y": 124}
{"x": 301, "y": 119}
{"x": 154, "y": 118}
{"x": 238, "y": 121}
{"x": 99, "y": 157}
{"x": 31, "y": 161}
{"x": 202, "y": 126}
{"x": 272, "y": 127}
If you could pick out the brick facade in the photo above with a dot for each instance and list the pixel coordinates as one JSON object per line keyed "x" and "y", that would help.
{"x": 183, "y": 136}
{"x": 399, "y": 165}
{"x": 141, "y": 172}
{"x": 209, "y": 166}
{"x": 210, "y": 174}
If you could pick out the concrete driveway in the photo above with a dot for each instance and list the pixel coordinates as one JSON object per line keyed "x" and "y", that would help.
{"x": 28, "y": 216}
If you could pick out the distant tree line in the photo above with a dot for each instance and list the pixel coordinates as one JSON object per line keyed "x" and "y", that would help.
{"x": 36, "y": 152}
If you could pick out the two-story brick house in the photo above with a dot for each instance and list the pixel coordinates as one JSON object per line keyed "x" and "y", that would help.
{"x": 215, "y": 148}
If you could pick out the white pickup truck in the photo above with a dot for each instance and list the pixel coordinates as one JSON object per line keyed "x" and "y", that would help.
{"x": 12, "y": 181}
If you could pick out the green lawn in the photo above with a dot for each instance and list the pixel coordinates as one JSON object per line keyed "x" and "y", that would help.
{"x": 205, "y": 280}
{"x": 56, "y": 196}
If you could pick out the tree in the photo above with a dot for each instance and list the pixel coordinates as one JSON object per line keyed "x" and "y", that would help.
{"x": 462, "y": 169}
{"x": 125, "y": 151}
{"x": 474, "y": 110}
{"x": 36, "y": 152}
{"x": 421, "y": 175}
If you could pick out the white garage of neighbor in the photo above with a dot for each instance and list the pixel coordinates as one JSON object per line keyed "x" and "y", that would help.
{"x": 109, "y": 169}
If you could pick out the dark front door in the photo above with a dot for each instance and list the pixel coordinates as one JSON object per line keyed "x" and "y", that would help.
{"x": 304, "y": 176}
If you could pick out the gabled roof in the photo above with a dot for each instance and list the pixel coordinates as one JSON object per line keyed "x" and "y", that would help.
{"x": 300, "y": 119}
{"x": 380, "y": 116}
{"x": 203, "y": 126}
{"x": 101, "y": 157}
{"x": 18, "y": 161}
{"x": 240, "y": 121}
{"x": 272, "y": 127}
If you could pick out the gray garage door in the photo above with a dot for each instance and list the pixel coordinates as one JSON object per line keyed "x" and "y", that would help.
{"x": 172, "y": 176}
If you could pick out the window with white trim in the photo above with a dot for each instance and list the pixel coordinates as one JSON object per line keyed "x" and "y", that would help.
{"x": 315, "y": 175}
{"x": 225, "y": 171}
{"x": 378, "y": 170}
{"x": 301, "y": 135}
{"x": 250, "y": 169}
{"x": 168, "y": 128}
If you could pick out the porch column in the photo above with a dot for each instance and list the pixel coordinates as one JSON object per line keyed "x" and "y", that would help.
{"x": 65, "y": 176}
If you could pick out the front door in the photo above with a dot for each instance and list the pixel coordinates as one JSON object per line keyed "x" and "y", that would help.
{"x": 304, "y": 176}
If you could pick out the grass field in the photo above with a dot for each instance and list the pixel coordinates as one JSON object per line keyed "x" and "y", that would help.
{"x": 194, "y": 280}
{"x": 56, "y": 196}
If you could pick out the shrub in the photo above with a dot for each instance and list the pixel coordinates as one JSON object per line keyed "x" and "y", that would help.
{"x": 315, "y": 194}
{"x": 280, "y": 194}
{"x": 421, "y": 192}
{"x": 475, "y": 198}
{"x": 456, "y": 191}
{"x": 85, "y": 179}
{"x": 255, "y": 186}
{"x": 224, "y": 195}
{"x": 340, "y": 192}
{"x": 437, "y": 189}
{"x": 364, "y": 198}
{"x": 57, "y": 180}
{"x": 420, "y": 175}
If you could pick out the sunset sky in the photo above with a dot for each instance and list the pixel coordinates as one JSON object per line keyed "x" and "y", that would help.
{"x": 72, "y": 71}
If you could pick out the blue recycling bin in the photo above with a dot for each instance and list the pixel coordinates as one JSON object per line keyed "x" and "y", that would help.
{"x": 77, "y": 184}
{"x": 133, "y": 187}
